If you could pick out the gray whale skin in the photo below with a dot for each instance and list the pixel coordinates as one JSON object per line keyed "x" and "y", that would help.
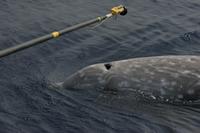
{"x": 171, "y": 77}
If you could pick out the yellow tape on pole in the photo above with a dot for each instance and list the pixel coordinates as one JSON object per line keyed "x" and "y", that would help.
{"x": 55, "y": 34}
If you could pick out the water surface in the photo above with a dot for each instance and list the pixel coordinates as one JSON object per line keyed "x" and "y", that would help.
{"x": 152, "y": 27}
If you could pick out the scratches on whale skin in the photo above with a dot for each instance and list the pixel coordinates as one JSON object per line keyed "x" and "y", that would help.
{"x": 168, "y": 79}
{"x": 111, "y": 97}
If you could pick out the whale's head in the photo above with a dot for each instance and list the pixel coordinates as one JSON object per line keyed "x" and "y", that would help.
{"x": 92, "y": 76}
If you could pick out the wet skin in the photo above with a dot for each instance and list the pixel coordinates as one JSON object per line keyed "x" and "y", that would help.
{"x": 161, "y": 77}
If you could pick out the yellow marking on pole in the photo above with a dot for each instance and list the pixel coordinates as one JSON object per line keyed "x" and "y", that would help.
{"x": 55, "y": 34}
{"x": 117, "y": 10}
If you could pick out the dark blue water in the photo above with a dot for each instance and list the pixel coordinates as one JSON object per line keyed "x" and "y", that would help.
{"x": 152, "y": 27}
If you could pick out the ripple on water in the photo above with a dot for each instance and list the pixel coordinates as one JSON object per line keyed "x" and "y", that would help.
{"x": 153, "y": 27}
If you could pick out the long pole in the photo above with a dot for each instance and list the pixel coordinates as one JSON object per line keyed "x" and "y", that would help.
{"x": 114, "y": 11}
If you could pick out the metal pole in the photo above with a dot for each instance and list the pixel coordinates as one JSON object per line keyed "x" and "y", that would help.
{"x": 114, "y": 11}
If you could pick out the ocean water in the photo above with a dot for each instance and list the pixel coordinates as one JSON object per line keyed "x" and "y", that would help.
{"x": 28, "y": 103}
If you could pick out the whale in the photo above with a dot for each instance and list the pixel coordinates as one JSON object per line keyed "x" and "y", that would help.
{"x": 164, "y": 78}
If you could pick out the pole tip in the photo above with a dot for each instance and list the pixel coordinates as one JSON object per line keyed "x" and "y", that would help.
{"x": 124, "y": 12}
{"x": 119, "y": 10}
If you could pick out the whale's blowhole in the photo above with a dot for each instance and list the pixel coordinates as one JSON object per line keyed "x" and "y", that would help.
{"x": 108, "y": 66}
